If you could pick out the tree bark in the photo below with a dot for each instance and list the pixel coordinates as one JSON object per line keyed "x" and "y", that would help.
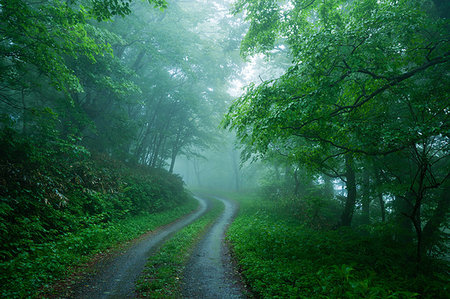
{"x": 172, "y": 161}
{"x": 157, "y": 150}
{"x": 235, "y": 169}
{"x": 431, "y": 230}
{"x": 328, "y": 187}
{"x": 347, "y": 214}
{"x": 402, "y": 208}
{"x": 297, "y": 182}
{"x": 137, "y": 63}
{"x": 197, "y": 172}
{"x": 365, "y": 198}
{"x": 380, "y": 194}
{"x": 175, "y": 150}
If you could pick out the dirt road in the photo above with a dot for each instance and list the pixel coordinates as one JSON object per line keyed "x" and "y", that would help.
{"x": 209, "y": 273}
{"x": 116, "y": 277}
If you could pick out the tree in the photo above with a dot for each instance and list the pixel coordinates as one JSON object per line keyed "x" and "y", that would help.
{"x": 369, "y": 78}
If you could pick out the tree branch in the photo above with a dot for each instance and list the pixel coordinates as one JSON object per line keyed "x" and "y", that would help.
{"x": 392, "y": 82}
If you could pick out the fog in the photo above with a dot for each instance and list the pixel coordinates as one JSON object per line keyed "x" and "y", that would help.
{"x": 220, "y": 168}
{"x": 327, "y": 122}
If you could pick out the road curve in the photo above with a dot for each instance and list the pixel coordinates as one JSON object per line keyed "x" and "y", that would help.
{"x": 116, "y": 277}
{"x": 209, "y": 273}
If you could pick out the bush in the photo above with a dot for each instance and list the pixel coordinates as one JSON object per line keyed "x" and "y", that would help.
{"x": 59, "y": 203}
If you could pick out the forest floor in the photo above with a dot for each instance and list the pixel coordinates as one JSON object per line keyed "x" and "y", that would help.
{"x": 210, "y": 272}
{"x": 115, "y": 276}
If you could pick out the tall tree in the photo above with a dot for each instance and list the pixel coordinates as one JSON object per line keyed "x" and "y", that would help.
{"x": 376, "y": 87}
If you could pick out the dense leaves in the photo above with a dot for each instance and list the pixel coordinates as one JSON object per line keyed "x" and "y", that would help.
{"x": 59, "y": 203}
{"x": 97, "y": 99}
{"x": 367, "y": 96}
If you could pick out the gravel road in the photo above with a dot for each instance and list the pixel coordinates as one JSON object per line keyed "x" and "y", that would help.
{"x": 116, "y": 277}
{"x": 209, "y": 273}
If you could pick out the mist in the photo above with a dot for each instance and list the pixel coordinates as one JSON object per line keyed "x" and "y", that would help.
{"x": 224, "y": 149}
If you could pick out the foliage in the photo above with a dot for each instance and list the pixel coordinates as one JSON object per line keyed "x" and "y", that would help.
{"x": 136, "y": 88}
{"x": 36, "y": 267}
{"x": 161, "y": 278}
{"x": 338, "y": 92}
{"x": 366, "y": 99}
{"x": 283, "y": 258}
{"x": 88, "y": 100}
{"x": 40, "y": 36}
{"x": 59, "y": 204}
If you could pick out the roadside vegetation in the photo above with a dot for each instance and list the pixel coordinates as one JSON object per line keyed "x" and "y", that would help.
{"x": 61, "y": 204}
{"x": 354, "y": 145}
{"x": 97, "y": 102}
{"x": 285, "y": 250}
{"x": 164, "y": 270}
{"x": 347, "y": 116}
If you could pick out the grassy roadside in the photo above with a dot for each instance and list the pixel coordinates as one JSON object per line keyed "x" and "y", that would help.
{"x": 58, "y": 259}
{"x": 282, "y": 258}
{"x": 161, "y": 278}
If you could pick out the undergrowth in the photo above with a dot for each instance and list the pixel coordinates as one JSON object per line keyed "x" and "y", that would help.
{"x": 60, "y": 203}
{"x": 161, "y": 277}
{"x": 282, "y": 257}
{"x": 33, "y": 271}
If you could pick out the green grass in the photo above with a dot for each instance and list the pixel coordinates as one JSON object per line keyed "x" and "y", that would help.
{"x": 34, "y": 271}
{"x": 161, "y": 278}
{"x": 283, "y": 258}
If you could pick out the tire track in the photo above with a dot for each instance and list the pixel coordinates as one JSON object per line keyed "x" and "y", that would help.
{"x": 209, "y": 273}
{"x": 116, "y": 277}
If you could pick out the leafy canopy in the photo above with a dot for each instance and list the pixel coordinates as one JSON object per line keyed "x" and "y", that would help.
{"x": 368, "y": 76}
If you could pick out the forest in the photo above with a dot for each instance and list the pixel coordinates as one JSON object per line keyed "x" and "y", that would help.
{"x": 302, "y": 145}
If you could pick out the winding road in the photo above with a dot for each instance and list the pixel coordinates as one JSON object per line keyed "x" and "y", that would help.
{"x": 209, "y": 274}
{"x": 116, "y": 277}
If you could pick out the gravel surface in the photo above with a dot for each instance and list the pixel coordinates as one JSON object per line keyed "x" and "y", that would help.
{"x": 116, "y": 277}
{"x": 209, "y": 273}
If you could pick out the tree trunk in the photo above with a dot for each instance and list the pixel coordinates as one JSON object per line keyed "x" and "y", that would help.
{"x": 415, "y": 216}
{"x": 172, "y": 162}
{"x": 347, "y": 214}
{"x": 328, "y": 187}
{"x": 176, "y": 147}
{"x": 157, "y": 151}
{"x": 173, "y": 158}
{"x": 430, "y": 233}
{"x": 197, "y": 172}
{"x": 382, "y": 209}
{"x": 365, "y": 198}
{"x": 380, "y": 194}
{"x": 277, "y": 172}
{"x": 142, "y": 140}
{"x": 137, "y": 63}
{"x": 402, "y": 208}
{"x": 297, "y": 182}
{"x": 235, "y": 169}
